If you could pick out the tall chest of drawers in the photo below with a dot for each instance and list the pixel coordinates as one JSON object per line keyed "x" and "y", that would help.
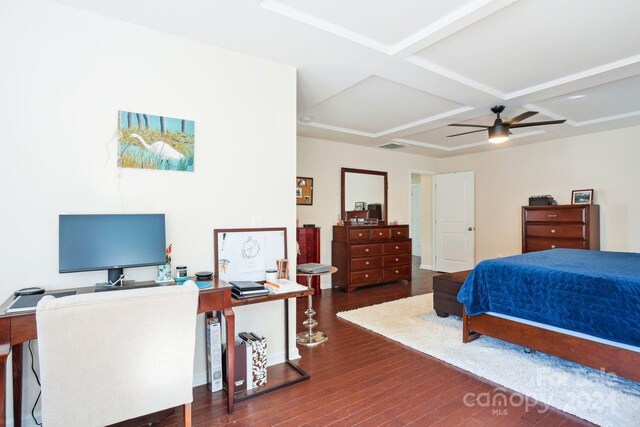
{"x": 369, "y": 255}
{"x": 565, "y": 226}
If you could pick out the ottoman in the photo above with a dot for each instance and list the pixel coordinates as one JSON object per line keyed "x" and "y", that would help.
{"x": 445, "y": 292}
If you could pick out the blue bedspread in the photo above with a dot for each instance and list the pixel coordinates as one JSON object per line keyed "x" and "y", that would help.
{"x": 593, "y": 292}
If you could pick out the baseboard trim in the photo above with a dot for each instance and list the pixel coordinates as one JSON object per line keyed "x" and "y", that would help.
{"x": 426, "y": 267}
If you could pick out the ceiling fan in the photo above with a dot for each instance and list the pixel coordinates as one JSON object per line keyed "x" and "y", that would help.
{"x": 499, "y": 132}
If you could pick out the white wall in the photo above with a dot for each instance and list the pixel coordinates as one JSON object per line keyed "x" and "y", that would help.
{"x": 64, "y": 76}
{"x": 322, "y": 161}
{"x": 504, "y": 180}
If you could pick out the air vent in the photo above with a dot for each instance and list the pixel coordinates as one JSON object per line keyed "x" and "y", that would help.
{"x": 392, "y": 145}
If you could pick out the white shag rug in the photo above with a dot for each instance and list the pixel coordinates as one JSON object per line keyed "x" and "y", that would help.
{"x": 584, "y": 392}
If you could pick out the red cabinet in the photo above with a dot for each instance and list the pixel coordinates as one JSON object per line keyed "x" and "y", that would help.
{"x": 309, "y": 246}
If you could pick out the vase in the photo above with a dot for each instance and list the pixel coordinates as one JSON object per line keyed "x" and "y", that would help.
{"x": 164, "y": 273}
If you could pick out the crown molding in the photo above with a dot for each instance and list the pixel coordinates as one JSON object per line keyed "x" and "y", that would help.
{"x": 584, "y": 122}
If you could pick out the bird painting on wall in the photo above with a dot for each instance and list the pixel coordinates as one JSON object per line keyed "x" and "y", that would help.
{"x": 155, "y": 142}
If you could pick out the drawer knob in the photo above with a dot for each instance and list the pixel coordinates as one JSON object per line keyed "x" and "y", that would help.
{"x": 397, "y": 272}
{"x": 398, "y": 232}
{"x": 397, "y": 260}
{"x": 397, "y": 248}
{"x": 552, "y": 216}
{"x": 553, "y": 246}
{"x": 359, "y": 234}
{"x": 366, "y": 250}
{"x": 380, "y": 233}
{"x": 366, "y": 275}
{"x": 553, "y": 230}
{"x": 367, "y": 262}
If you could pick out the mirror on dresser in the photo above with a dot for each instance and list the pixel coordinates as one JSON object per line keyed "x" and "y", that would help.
{"x": 364, "y": 194}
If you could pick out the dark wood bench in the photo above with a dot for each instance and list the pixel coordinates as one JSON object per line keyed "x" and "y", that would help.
{"x": 445, "y": 293}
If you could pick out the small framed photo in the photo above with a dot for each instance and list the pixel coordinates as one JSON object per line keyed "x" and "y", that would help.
{"x": 298, "y": 193}
{"x": 582, "y": 197}
{"x": 359, "y": 206}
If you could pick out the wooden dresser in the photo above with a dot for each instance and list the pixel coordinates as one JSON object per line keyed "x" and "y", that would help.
{"x": 565, "y": 226}
{"x": 369, "y": 255}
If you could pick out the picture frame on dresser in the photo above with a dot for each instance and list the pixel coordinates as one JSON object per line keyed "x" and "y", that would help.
{"x": 582, "y": 197}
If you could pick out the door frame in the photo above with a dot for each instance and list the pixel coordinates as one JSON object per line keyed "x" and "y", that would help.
{"x": 432, "y": 263}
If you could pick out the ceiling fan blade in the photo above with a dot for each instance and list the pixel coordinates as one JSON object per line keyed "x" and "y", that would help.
{"x": 550, "y": 122}
{"x": 469, "y": 126}
{"x": 521, "y": 117}
{"x": 467, "y": 133}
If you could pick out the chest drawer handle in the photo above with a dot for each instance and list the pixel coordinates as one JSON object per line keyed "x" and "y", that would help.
{"x": 380, "y": 233}
{"x": 359, "y": 234}
{"x": 366, "y": 275}
{"x": 367, "y": 262}
{"x": 552, "y": 216}
{"x": 397, "y": 248}
{"x": 553, "y": 246}
{"x": 398, "y": 232}
{"x": 553, "y": 230}
{"x": 397, "y": 260}
{"x": 366, "y": 250}
{"x": 397, "y": 272}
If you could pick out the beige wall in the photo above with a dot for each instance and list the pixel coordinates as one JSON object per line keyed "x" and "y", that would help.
{"x": 322, "y": 160}
{"x": 608, "y": 162}
{"x": 427, "y": 221}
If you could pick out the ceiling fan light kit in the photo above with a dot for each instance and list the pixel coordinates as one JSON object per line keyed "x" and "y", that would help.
{"x": 499, "y": 132}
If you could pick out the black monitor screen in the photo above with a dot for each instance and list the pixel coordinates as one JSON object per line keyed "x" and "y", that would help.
{"x": 101, "y": 242}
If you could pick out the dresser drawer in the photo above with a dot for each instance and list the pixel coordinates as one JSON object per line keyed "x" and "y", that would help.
{"x": 365, "y": 263}
{"x": 366, "y": 276}
{"x": 359, "y": 235}
{"x": 397, "y": 247}
{"x": 533, "y": 245}
{"x": 555, "y": 215}
{"x": 380, "y": 234}
{"x": 567, "y": 231}
{"x": 365, "y": 250}
{"x": 399, "y": 233}
{"x": 396, "y": 273}
{"x": 399, "y": 259}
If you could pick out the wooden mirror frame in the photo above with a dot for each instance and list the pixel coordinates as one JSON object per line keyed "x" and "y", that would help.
{"x": 344, "y": 171}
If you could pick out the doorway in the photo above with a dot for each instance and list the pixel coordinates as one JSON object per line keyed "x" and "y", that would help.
{"x": 454, "y": 222}
{"x": 421, "y": 209}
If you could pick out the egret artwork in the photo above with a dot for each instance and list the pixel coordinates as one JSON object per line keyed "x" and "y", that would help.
{"x": 155, "y": 142}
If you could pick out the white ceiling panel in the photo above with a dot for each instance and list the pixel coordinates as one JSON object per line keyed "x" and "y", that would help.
{"x": 376, "y": 104}
{"x": 385, "y": 21}
{"x": 535, "y": 41}
{"x": 611, "y": 99}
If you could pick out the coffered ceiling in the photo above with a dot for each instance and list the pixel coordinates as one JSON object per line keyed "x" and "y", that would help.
{"x": 375, "y": 71}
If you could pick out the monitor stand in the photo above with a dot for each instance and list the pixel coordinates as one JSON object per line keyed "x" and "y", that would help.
{"x": 113, "y": 275}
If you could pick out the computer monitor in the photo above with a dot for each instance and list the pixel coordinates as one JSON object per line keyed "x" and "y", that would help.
{"x": 111, "y": 242}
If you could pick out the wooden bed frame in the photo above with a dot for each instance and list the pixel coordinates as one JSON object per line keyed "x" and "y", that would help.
{"x": 615, "y": 360}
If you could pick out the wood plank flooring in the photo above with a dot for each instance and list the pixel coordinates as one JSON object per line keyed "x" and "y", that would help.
{"x": 362, "y": 379}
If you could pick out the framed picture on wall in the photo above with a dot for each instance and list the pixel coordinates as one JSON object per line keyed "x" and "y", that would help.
{"x": 304, "y": 191}
{"x": 359, "y": 206}
{"x": 582, "y": 197}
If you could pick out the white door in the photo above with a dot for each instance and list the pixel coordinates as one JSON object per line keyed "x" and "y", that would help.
{"x": 416, "y": 220}
{"x": 455, "y": 227}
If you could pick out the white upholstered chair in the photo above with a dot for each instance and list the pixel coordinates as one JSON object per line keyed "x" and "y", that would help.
{"x": 111, "y": 356}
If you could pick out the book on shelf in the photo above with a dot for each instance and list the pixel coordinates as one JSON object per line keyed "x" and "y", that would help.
{"x": 246, "y": 285}
{"x": 240, "y": 365}
{"x": 249, "y": 294}
{"x": 282, "y": 286}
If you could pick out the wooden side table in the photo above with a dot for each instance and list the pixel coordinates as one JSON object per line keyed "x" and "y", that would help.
{"x": 311, "y": 337}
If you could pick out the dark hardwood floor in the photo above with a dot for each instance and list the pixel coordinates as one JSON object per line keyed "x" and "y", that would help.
{"x": 360, "y": 378}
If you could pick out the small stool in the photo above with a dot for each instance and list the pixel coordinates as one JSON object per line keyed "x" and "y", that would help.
{"x": 445, "y": 293}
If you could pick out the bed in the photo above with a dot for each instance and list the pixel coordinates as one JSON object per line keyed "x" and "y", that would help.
{"x": 579, "y": 305}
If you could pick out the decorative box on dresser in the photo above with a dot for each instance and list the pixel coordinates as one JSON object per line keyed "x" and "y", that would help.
{"x": 369, "y": 255}
{"x": 308, "y": 239}
{"x": 563, "y": 226}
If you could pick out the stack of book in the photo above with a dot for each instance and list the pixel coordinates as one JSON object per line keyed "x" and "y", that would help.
{"x": 282, "y": 286}
{"x": 247, "y": 289}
